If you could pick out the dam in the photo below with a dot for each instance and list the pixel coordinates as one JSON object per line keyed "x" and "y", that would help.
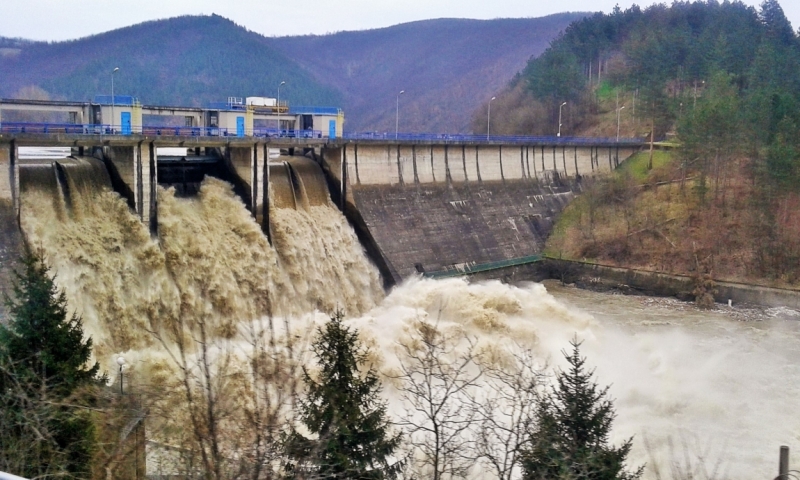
{"x": 152, "y": 249}
{"x": 431, "y": 206}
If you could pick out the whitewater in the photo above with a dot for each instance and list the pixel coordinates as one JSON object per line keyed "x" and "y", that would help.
{"x": 714, "y": 390}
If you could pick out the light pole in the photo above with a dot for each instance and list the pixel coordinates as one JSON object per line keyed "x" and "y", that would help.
{"x": 618, "y": 110}
{"x": 559, "y": 118}
{"x": 489, "y": 118}
{"x": 279, "y": 106}
{"x": 116, "y": 69}
{"x": 694, "y": 105}
{"x": 121, "y": 363}
{"x": 397, "y": 114}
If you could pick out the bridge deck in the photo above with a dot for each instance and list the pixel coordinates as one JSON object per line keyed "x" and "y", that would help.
{"x": 93, "y": 139}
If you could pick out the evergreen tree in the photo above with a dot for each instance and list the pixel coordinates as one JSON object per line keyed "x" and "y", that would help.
{"x": 43, "y": 360}
{"x": 344, "y": 412}
{"x": 573, "y": 423}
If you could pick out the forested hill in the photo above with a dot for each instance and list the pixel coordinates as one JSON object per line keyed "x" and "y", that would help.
{"x": 721, "y": 82}
{"x": 447, "y": 67}
{"x": 183, "y": 60}
{"x": 658, "y": 54}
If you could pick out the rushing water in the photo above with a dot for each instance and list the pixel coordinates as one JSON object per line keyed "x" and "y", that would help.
{"x": 722, "y": 385}
{"x": 712, "y": 389}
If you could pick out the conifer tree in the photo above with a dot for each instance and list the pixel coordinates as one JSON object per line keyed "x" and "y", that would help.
{"x": 43, "y": 361}
{"x": 344, "y": 412}
{"x": 573, "y": 423}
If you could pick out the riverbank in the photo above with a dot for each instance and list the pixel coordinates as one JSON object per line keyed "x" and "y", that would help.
{"x": 661, "y": 230}
{"x": 641, "y": 282}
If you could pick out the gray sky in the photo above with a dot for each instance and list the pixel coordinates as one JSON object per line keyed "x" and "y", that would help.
{"x": 69, "y": 19}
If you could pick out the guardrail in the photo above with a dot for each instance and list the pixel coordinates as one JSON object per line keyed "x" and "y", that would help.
{"x": 518, "y": 139}
{"x": 163, "y": 130}
{"x": 459, "y": 270}
{"x": 118, "y": 99}
{"x": 26, "y": 127}
{"x": 152, "y": 130}
{"x": 308, "y": 110}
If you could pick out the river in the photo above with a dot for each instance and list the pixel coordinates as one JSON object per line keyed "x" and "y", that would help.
{"x": 697, "y": 389}
{"x": 722, "y": 385}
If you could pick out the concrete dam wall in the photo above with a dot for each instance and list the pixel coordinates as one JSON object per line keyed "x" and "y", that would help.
{"x": 433, "y": 208}
{"x": 417, "y": 207}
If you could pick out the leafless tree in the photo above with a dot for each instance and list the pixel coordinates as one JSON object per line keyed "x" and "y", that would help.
{"x": 222, "y": 407}
{"x": 507, "y": 412}
{"x": 437, "y": 374}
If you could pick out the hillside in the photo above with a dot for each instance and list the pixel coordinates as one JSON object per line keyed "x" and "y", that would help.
{"x": 447, "y": 67}
{"x": 184, "y": 60}
{"x": 662, "y": 55}
{"x": 722, "y": 82}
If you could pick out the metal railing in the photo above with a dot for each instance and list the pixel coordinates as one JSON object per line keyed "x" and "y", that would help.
{"x": 152, "y": 130}
{"x": 286, "y": 133}
{"x": 72, "y": 128}
{"x": 118, "y": 99}
{"x": 466, "y": 269}
{"x": 308, "y": 110}
{"x": 515, "y": 139}
{"x": 445, "y": 138}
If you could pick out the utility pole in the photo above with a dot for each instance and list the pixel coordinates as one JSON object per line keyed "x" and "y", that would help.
{"x": 489, "y": 118}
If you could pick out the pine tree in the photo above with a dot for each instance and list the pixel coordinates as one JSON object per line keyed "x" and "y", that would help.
{"x": 573, "y": 423}
{"x": 344, "y": 411}
{"x": 43, "y": 361}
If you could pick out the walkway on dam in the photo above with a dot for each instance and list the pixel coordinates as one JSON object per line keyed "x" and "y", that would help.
{"x": 42, "y": 134}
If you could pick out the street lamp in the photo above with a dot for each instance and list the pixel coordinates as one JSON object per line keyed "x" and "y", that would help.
{"x": 121, "y": 363}
{"x": 397, "y": 114}
{"x": 618, "y": 110}
{"x": 116, "y": 69}
{"x": 489, "y": 118}
{"x": 695, "y": 93}
{"x": 559, "y": 118}
{"x": 279, "y": 106}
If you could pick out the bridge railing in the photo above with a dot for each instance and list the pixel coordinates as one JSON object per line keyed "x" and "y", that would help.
{"x": 29, "y": 127}
{"x": 151, "y": 130}
{"x": 160, "y": 130}
{"x": 520, "y": 139}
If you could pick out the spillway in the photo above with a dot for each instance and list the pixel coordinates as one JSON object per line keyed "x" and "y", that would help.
{"x": 211, "y": 266}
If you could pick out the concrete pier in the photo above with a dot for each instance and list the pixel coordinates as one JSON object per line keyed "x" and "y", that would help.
{"x": 11, "y": 243}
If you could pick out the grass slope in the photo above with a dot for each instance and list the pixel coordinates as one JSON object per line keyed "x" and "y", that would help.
{"x": 647, "y": 219}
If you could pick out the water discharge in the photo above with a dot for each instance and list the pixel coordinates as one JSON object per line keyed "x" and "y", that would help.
{"x": 722, "y": 386}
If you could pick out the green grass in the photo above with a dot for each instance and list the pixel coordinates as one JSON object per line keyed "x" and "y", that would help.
{"x": 606, "y": 91}
{"x": 636, "y": 165}
{"x": 568, "y": 218}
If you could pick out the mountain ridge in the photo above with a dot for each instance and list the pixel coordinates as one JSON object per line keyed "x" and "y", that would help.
{"x": 446, "y": 66}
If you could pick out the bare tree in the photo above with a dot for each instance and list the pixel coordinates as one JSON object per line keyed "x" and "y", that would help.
{"x": 223, "y": 411}
{"x": 507, "y": 413}
{"x": 436, "y": 379}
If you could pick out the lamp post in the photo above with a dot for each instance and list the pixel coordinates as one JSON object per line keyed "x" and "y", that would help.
{"x": 489, "y": 118}
{"x": 121, "y": 363}
{"x": 279, "y": 106}
{"x": 694, "y": 105}
{"x": 116, "y": 69}
{"x": 397, "y": 114}
{"x": 559, "y": 118}
{"x": 618, "y": 110}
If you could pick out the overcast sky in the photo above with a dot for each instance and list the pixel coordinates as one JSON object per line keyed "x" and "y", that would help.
{"x": 69, "y": 19}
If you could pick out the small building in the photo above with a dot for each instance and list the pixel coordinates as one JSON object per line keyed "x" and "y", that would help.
{"x": 119, "y": 114}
